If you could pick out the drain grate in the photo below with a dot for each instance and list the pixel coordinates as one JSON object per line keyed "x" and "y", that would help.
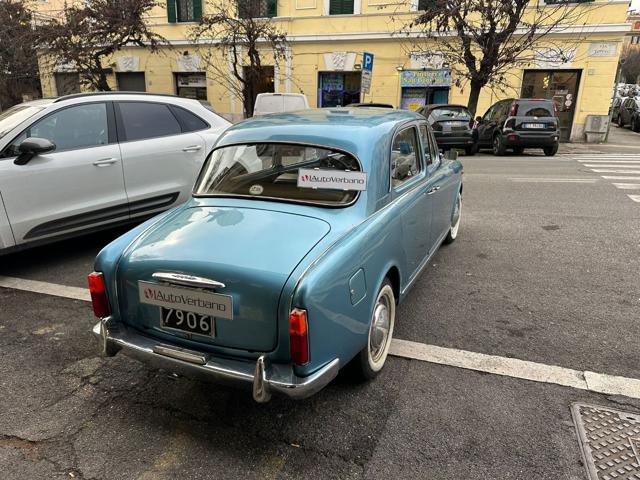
{"x": 610, "y": 441}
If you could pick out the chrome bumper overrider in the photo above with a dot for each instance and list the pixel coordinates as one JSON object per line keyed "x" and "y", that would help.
{"x": 265, "y": 378}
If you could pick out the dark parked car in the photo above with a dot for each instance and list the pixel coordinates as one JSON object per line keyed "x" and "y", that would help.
{"x": 452, "y": 126}
{"x": 518, "y": 124}
{"x": 628, "y": 112}
{"x": 615, "y": 108}
{"x": 370, "y": 104}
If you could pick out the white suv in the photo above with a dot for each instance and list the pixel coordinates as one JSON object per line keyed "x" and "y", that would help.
{"x": 88, "y": 161}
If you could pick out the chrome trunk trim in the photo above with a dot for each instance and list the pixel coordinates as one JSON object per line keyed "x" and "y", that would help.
{"x": 187, "y": 280}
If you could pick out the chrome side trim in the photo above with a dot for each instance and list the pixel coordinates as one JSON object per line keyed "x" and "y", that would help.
{"x": 187, "y": 280}
{"x": 264, "y": 378}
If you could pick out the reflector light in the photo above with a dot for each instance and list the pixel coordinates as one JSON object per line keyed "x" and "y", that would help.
{"x": 298, "y": 336}
{"x": 98, "y": 292}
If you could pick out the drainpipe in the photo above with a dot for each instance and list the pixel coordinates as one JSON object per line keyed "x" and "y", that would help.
{"x": 613, "y": 96}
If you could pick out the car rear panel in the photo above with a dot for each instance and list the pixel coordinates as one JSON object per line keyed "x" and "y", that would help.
{"x": 251, "y": 251}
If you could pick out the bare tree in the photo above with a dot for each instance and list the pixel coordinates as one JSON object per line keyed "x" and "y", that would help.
{"x": 18, "y": 59}
{"x": 241, "y": 46}
{"x": 630, "y": 64}
{"x": 483, "y": 41}
{"x": 88, "y": 33}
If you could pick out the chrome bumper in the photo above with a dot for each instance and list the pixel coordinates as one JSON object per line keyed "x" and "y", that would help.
{"x": 265, "y": 378}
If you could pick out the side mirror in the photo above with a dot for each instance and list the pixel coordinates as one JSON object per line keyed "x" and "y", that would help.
{"x": 451, "y": 154}
{"x": 31, "y": 147}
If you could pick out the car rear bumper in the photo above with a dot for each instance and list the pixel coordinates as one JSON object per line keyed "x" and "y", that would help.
{"x": 457, "y": 141}
{"x": 263, "y": 377}
{"x": 533, "y": 140}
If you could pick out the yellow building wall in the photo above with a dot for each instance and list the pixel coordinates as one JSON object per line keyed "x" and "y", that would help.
{"x": 312, "y": 35}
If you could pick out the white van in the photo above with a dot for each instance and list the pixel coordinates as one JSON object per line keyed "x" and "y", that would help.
{"x": 279, "y": 102}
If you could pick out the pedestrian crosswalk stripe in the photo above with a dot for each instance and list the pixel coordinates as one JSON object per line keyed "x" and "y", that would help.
{"x": 619, "y": 178}
{"x": 615, "y": 171}
{"x": 612, "y": 165}
{"x": 635, "y": 198}
{"x": 628, "y": 186}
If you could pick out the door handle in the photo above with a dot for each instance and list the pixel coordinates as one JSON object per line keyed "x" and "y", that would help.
{"x": 432, "y": 191}
{"x": 105, "y": 162}
{"x": 192, "y": 148}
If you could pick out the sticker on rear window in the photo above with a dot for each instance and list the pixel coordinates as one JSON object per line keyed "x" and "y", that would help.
{"x": 256, "y": 190}
{"x": 332, "y": 179}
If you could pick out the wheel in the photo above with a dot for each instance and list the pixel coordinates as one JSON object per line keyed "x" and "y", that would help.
{"x": 472, "y": 150}
{"x": 550, "y": 151}
{"x": 620, "y": 122}
{"x": 635, "y": 125}
{"x": 498, "y": 145}
{"x": 518, "y": 150}
{"x": 370, "y": 360}
{"x": 455, "y": 221}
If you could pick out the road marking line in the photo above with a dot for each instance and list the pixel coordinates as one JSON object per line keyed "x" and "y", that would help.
{"x": 47, "y": 288}
{"x": 618, "y": 163}
{"x": 453, "y": 357}
{"x": 627, "y": 186}
{"x": 615, "y": 171}
{"x": 619, "y": 178}
{"x": 554, "y": 180}
{"x": 609, "y": 165}
{"x": 515, "y": 368}
{"x": 635, "y": 198}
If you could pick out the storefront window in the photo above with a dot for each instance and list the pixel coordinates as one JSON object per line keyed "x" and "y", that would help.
{"x": 424, "y": 87}
{"x": 192, "y": 85}
{"x": 339, "y": 88}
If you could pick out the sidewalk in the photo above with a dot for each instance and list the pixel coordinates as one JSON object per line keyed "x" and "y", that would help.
{"x": 621, "y": 140}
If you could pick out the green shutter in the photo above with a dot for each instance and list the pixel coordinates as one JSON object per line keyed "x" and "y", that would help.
{"x": 340, "y": 7}
{"x": 197, "y": 10}
{"x": 426, "y": 4}
{"x": 272, "y": 8}
{"x": 171, "y": 11}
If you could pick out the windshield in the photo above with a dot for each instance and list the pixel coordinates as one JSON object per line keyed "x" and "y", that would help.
{"x": 449, "y": 113}
{"x": 535, "y": 109}
{"x": 15, "y": 116}
{"x": 284, "y": 172}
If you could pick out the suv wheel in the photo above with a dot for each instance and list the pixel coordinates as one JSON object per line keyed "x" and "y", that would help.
{"x": 550, "y": 151}
{"x": 498, "y": 145}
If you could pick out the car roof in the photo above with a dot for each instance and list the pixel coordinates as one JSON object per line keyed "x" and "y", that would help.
{"x": 355, "y": 130}
{"x": 445, "y": 105}
{"x": 370, "y": 104}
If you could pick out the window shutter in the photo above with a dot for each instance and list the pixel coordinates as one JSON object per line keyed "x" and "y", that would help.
{"x": 340, "y": 7}
{"x": 272, "y": 8}
{"x": 171, "y": 11}
{"x": 197, "y": 10}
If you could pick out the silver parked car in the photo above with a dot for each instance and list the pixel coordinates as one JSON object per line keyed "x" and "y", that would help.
{"x": 88, "y": 161}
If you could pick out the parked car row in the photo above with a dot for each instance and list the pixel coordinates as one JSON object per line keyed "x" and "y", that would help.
{"x": 513, "y": 124}
{"x": 626, "y": 112}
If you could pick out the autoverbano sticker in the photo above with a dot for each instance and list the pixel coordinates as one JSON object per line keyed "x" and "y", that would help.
{"x": 332, "y": 179}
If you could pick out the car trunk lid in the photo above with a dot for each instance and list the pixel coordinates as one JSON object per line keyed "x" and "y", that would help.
{"x": 251, "y": 251}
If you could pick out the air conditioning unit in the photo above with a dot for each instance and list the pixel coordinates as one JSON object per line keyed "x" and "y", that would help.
{"x": 595, "y": 128}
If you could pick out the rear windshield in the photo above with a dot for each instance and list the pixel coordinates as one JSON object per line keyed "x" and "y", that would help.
{"x": 279, "y": 171}
{"x": 535, "y": 109}
{"x": 449, "y": 113}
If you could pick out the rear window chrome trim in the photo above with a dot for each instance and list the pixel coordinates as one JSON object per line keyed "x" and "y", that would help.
{"x": 276, "y": 199}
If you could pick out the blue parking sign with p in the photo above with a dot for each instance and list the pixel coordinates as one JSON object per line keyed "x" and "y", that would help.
{"x": 367, "y": 61}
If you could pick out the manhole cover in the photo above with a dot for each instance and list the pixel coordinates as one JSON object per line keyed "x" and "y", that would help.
{"x": 610, "y": 441}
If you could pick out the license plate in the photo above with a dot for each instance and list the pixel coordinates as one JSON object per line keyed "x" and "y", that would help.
{"x": 187, "y": 322}
{"x": 534, "y": 125}
{"x": 186, "y": 299}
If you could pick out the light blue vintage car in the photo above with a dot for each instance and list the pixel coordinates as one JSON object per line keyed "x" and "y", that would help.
{"x": 304, "y": 232}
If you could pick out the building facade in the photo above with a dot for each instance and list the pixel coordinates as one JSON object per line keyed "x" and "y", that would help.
{"x": 326, "y": 40}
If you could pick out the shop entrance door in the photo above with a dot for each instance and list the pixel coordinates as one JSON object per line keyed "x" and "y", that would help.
{"x": 561, "y": 86}
{"x": 338, "y": 88}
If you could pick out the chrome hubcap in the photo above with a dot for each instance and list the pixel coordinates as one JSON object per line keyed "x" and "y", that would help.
{"x": 379, "y": 334}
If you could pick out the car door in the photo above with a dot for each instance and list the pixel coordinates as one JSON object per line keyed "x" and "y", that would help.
{"x": 487, "y": 125}
{"x": 442, "y": 190}
{"x": 161, "y": 154}
{"x": 409, "y": 185}
{"x": 77, "y": 186}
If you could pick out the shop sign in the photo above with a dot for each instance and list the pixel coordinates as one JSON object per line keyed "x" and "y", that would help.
{"x": 192, "y": 80}
{"x": 603, "y": 49}
{"x": 425, "y": 78}
{"x": 332, "y": 83}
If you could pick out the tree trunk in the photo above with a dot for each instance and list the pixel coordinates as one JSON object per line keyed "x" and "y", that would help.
{"x": 102, "y": 84}
{"x": 474, "y": 94}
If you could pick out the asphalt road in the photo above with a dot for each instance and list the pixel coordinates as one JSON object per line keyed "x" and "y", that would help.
{"x": 545, "y": 269}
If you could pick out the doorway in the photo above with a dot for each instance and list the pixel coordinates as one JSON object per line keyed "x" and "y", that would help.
{"x": 131, "y": 81}
{"x": 561, "y": 86}
{"x": 338, "y": 88}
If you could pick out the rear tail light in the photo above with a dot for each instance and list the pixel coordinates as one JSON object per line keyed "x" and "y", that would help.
{"x": 512, "y": 138}
{"x": 98, "y": 295}
{"x": 514, "y": 110}
{"x": 299, "y": 336}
